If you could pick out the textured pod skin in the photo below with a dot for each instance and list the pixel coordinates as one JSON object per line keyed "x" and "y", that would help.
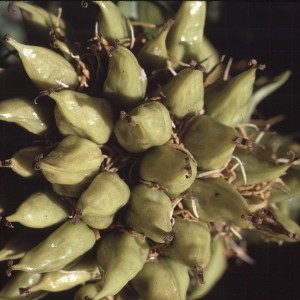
{"x": 149, "y": 212}
{"x": 23, "y": 160}
{"x": 191, "y": 243}
{"x": 99, "y": 202}
{"x": 183, "y": 94}
{"x": 185, "y": 37}
{"x": 149, "y": 125}
{"x": 126, "y": 82}
{"x": 44, "y": 75}
{"x": 228, "y": 102}
{"x": 86, "y": 269}
{"x": 212, "y": 272}
{"x": 40, "y": 210}
{"x": 112, "y": 23}
{"x": 122, "y": 256}
{"x": 170, "y": 168}
{"x": 23, "y": 112}
{"x": 10, "y": 291}
{"x": 216, "y": 200}
{"x": 87, "y": 290}
{"x": 61, "y": 247}
{"x": 257, "y": 169}
{"x": 89, "y": 117}
{"x": 210, "y": 142}
{"x": 74, "y": 160}
{"x": 163, "y": 279}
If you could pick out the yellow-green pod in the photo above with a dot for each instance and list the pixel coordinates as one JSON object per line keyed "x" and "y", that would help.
{"x": 87, "y": 290}
{"x": 43, "y": 66}
{"x": 191, "y": 243}
{"x": 275, "y": 226}
{"x": 149, "y": 212}
{"x": 212, "y": 272}
{"x": 121, "y": 255}
{"x": 126, "y": 81}
{"x": 143, "y": 127}
{"x": 162, "y": 278}
{"x": 64, "y": 245}
{"x": 256, "y": 168}
{"x": 184, "y": 39}
{"x": 40, "y": 19}
{"x": 21, "y": 241}
{"x": 112, "y": 24}
{"x": 63, "y": 126}
{"x": 227, "y": 102}
{"x": 10, "y": 291}
{"x": 71, "y": 190}
{"x": 22, "y": 162}
{"x": 214, "y": 199}
{"x": 73, "y": 161}
{"x": 171, "y": 168}
{"x": 23, "y": 112}
{"x": 183, "y": 94}
{"x": 39, "y": 210}
{"x": 98, "y": 204}
{"x": 84, "y": 270}
{"x": 89, "y": 117}
{"x": 154, "y": 54}
{"x": 210, "y": 142}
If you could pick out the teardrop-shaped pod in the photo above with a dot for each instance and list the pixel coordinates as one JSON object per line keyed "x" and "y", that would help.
{"x": 89, "y": 117}
{"x": 74, "y": 160}
{"x": 43, "y": 66}
{"x": 22, "y": 111}
{"x": 40, "y": 210}
{"x": 145, "y": 126}
{"x": 171, "y": 168}
{"x": 149, "y": 212}
{"x": 126, "y": 81}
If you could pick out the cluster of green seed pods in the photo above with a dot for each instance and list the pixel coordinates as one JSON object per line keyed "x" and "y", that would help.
{"x": 139, "y": 165}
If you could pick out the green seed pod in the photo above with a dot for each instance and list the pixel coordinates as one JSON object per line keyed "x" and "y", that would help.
{"x": 210, "y": 142}
{"x": 149, "y": 212}
{"x": 112, "y": 24}
{"x": 40, "y": 19}
{"x": 191, "y": 243}
{"x": 145, "y": 126}
{"x": 227, "y": 102}
{"x": 10, "y": 291}
{"x": 21, "y": 242}
{"x": 41, "y": 209}
{"x": 214, "y": 199}
{"x": 169, "y": 167}
{"x": 163, "y": 279}
{"x": 74, "y": 160}
{"x": 87, "y": 290}
{"x": 122, "y": 256}
{"x": 22, "y": 162}
{"x": 184, "y": 39}
{"x": 184, "y": 93}
{"x": 84, "y": 270}
{"x": 154, "y": 55}
{"x": 102, "y": 199}
{"x": 63, "y": 126}
{"x": 126, "y": 82}
{"x": 127, "y": 294}
{"x": 43, "y": 66}
{"x": 213, "y": 271}
{"x": 23, "y": 112}
{"x": 61, "y": 247}
{"x": 89, "y": 117}
{"x": 276, "y": 226}
{"x": 257, "y": 169}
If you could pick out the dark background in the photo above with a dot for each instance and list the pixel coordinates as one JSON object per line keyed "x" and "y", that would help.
{"x": 268, "y": 31}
